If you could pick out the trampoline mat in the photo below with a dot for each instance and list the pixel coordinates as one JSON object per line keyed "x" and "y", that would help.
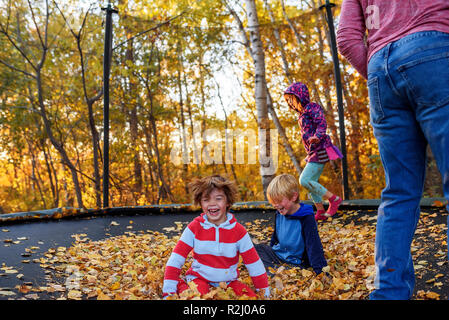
{"x": 17, "y": 239}
{"x": 23, "y": 244}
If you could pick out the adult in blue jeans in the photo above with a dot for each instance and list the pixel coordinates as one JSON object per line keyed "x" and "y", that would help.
{"x": 405, "y": 59}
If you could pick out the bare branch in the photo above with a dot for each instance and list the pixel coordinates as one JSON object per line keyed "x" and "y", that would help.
{"x": 2, "y": 30}
{"x": 151, "y": 29}
{"x": 35, "y": 23}
{"x": 9, "y": 15}
{"x": 55, "y": 37}
{"x": 243, "y": 34}
{"x": 47, "y": 15}
{"x": 17, "y": 69}
{"x": 65, "y": 20}
{"x": 85, "y": 19}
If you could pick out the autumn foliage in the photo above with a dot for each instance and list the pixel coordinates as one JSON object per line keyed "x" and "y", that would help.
{"x": 170, "y": 84}
{"x": 131, "y": 266}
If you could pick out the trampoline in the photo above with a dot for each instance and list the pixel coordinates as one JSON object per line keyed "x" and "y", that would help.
{"x": 25, "y": 238}
{"x": 28, "y": 236}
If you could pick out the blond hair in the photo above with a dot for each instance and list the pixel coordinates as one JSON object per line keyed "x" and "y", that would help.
{"x": 204, "y": 186}
{"x": 282, "y": 186}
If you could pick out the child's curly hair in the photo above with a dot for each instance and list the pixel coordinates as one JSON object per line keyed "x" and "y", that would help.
{"x": 204, "y": 186}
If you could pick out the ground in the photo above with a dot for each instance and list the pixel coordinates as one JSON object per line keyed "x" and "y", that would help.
{"x": 122, "y": 257}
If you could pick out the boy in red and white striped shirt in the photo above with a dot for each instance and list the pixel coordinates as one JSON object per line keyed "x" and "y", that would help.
{"x": 217, "y": 240}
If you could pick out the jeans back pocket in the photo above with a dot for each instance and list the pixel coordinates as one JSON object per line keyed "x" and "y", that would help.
{"x": 376, "y": 111}
{"x": 427, "y": 79}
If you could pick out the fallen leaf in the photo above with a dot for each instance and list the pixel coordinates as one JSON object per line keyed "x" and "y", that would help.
{"x": 6, "y": 293}
{"x": 115, "y": 286}
{"x": 432, "y": 295}
{"x": 11, "y": 271}
{"x": 102, "y": 296}
{"x": 24, "y": 288}
{"x": 74, "y": 295}
{"x": 33, "y": 296}
{"x": 438, "y": 203}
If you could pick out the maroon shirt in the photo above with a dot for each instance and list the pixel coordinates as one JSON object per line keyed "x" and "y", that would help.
{"x": 386, "y": 21}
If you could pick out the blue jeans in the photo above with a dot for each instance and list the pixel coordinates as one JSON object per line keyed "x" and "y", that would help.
{"x": 408, "y": 83}
{"x": 309, "y": 180}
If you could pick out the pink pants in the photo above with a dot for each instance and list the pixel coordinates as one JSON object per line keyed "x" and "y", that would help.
{"x": 203, "y": 287}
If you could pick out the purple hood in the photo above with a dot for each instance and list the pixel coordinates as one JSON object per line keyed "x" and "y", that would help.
{"x": 301, "y": 91}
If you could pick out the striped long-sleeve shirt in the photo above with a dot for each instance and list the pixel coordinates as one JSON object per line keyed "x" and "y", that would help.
{"x": 216, "y": 251}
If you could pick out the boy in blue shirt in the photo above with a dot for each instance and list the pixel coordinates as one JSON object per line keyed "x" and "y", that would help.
{"x": 295, "y": 240}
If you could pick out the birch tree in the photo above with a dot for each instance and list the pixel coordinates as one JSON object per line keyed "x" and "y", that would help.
{"x": 260, "y": 92}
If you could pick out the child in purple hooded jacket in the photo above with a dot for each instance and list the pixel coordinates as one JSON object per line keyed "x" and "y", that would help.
{"x": 318, "y": 145}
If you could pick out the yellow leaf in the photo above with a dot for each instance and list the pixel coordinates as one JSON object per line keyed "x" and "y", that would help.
{"x": 345, "y": 296}
{"x": 338, "y": 283}
{"x": 432, "y": 295}
{"x": 154, "y": 260}
{"x": 102, "y": 296}
{"x": 306, "y": 273}
{"x": 74, "y": 295}
{"x": 11, "y": 271}
{"x": 115, "y": 286}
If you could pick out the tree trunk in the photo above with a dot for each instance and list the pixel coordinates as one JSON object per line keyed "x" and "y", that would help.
{"x": 164, "y": 188}
{"x": 355, "y": 138}
{"x": 89, "y": 102}
{"x": 289, "y": 77}
{"x": 35, "y": 176}
{"x": 132, "y": 119}
{"x": 267, "y": 171}
{"x": 279, "y": 43}
{"x": 43, "y": 39}
{"x": 283, "y": 135}
{"x": 196, "y": 153}
{"x": 291, "y": 25}
{"x": 185, "y": 153}
{"x": 270, "y": 107}
{"x": 51, "y": 173}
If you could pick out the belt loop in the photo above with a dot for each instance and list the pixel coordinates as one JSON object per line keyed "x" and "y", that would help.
{"x": 386, "y": 56}
{"x": 386, "y": 68}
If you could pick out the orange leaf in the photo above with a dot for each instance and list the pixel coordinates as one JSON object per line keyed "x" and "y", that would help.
{"x": 24, "y": 289}
{"x": 438, "y": 203}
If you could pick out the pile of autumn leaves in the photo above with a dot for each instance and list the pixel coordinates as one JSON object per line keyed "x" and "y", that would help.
{"x": 131, "y": 266}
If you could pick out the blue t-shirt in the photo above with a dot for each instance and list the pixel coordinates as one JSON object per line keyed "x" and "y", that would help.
{"x": 290, "y": 247}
